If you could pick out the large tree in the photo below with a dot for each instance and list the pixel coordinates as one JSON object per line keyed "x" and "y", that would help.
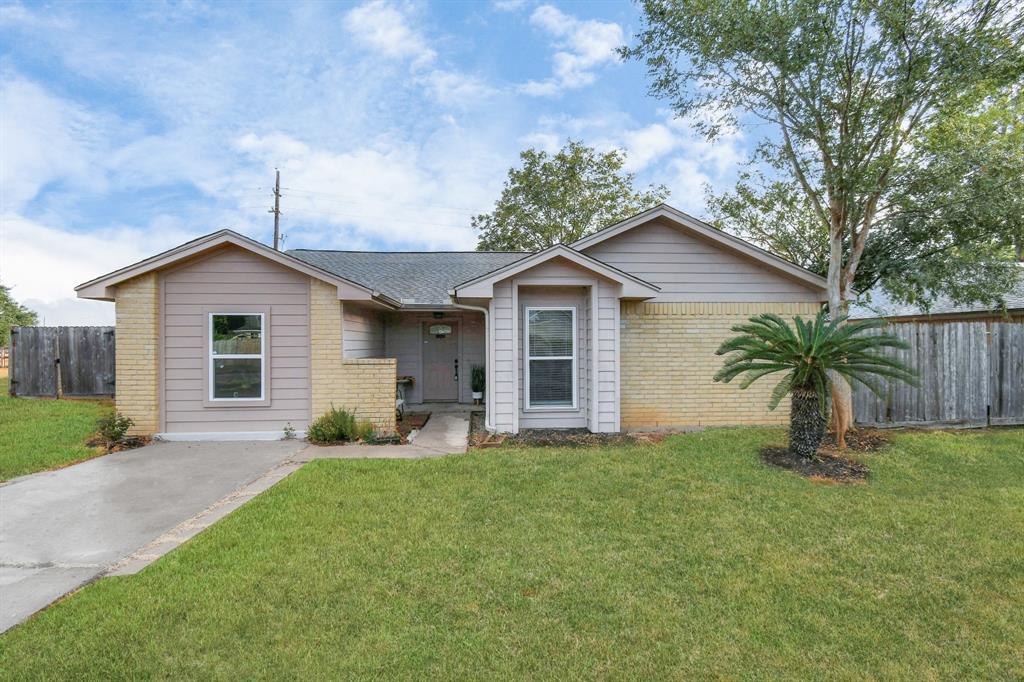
{"x": 559, "y": 198}
{"x": 953, "y": 229}
{"x": 839, "y": 92}
{"x": 12, "y": 314}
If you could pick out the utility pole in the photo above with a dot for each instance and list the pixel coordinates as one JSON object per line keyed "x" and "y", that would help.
{"x": 277, "y": 210}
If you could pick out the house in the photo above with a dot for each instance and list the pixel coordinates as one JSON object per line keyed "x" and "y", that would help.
{"x": 225, "y": 337}
{"x": 878, "y": 305}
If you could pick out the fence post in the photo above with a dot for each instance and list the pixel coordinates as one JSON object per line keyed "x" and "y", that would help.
{"x": 10, "y": 363}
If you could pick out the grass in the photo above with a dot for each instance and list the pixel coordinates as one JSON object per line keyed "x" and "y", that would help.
{"x": 41, "y": 434}
{"x": 687, "y": 559}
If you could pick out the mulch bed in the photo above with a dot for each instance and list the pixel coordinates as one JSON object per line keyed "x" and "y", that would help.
{"x": 823, "y": 467}
{"x": 126, "y": 443}
{"x": 857, "y": 440}
{"x": 830, "y": 464}
{"x": 579, "y": 438}
{"x": 410, "y": 421}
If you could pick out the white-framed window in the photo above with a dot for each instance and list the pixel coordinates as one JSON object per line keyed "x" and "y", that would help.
{"x": 550, "y": 358}
{"x": 237, "y": 364}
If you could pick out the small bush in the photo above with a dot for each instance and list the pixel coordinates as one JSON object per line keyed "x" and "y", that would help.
{"x": 113, "y": 428}
{"x": 338, "y": 426}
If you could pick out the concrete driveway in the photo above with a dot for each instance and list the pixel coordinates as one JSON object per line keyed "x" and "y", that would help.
{"x": 60, "y": 529}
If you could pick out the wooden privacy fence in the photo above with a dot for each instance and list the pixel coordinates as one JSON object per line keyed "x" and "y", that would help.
{"x": 54, "y": 361}
{"x": 971, "y": 373}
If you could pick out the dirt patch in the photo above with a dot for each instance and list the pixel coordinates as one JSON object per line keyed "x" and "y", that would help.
{"x": 410, "y": 421}
{"x": 857, "y": 440}
{"x": 824, "y": 467}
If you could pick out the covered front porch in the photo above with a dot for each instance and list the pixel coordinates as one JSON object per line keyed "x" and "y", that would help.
{"x": 434, "y": 350}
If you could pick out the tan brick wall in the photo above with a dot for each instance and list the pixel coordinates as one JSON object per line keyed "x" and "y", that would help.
{"x": 364, "y": 386}
{"x": 668, "y": 363}
{"x": 137, "y": 347}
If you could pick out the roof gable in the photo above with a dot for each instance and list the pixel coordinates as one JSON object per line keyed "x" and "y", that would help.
{"x": 483, "y": 286}
{"x": 102, "y": 288}
{"x": 699, "y": 228}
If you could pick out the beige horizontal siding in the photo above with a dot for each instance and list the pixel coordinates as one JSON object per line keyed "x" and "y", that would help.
{"x": 239, "y": 281}
{"x": 689, "y": 269}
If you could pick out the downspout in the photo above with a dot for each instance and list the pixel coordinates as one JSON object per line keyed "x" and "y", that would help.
{"x": 489, "y": 388}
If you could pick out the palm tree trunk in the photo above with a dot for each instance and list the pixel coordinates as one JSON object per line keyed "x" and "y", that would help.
{"x": 806, "y": 423}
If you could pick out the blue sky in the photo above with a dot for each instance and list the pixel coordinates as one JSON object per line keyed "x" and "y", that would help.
{"x": 127, "y": 129}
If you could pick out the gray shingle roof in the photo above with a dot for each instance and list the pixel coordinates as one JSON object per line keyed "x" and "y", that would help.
{"x": 420, "y": 278}
{"x": 881, "y": 306}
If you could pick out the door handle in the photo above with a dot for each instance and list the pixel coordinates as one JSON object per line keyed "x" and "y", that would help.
{"x": 456, "y": 369}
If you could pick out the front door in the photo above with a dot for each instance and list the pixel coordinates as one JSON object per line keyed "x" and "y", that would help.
{"x": 441, "y": 361}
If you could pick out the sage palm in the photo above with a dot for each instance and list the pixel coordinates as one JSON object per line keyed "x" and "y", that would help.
{"x": 806, "y": 352}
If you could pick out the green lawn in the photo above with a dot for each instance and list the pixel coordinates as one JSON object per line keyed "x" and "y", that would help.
{"x": 689, "y": 559}
{"x": 40, "y": 434}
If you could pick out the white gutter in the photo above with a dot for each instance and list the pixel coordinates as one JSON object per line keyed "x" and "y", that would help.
{"x": 489, "y": 392}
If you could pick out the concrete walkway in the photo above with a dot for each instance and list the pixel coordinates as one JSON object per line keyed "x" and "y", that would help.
{"x": 445, "y": 433}
{"x": 61, "y": 529}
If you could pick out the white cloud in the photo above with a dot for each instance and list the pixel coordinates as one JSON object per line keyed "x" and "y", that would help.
{"x": 385, "y": 28}
{"x": 393, "y": 192}
{"x": 547, "y": 142}
{"x": 44, "y": 139}
{"x": 44, "y": 264}
{"x": 453, "y": 88}
{"x": 645, "y": 145}
{"x": 508, "y": 5}
{"x": 583, "y": 45}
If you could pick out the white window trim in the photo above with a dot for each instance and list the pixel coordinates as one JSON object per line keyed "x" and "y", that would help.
{"x": 527, "y": 407}
{"x": 237, "y": 356}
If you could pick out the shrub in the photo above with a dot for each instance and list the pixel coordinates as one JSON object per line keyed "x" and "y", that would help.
{"x": 113, "y": 428}
{"x": 338, "y": 426}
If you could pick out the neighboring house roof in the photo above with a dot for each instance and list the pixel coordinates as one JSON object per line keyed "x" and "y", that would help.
{"x": 414, "y": 278}
{"x": 708, "y": 232}
{"x": 881, "y": 305}
{"x": 633, "y": 287}
{"x": 102, "y": 288}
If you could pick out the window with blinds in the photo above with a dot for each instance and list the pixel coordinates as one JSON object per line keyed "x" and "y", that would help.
{"x": 551, "y": 357}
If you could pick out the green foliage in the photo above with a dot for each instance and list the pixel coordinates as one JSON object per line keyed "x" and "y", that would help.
{"x": 557, "y": 199}
{"x": 776, "y": 216}
{"x": 13, "y": 314}
{"x": 863, "y": 109}
{"x": 113, "y": 427}
{"x": 477, "y": 378}
{"x": 956, "y": 213}
{"x": 338, "y": 426}
{"x": 289, "y": 431}
{"x": 808, "y": 351}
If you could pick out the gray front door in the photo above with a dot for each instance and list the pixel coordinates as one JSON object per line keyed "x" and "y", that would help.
{"x": 440, "y": 363}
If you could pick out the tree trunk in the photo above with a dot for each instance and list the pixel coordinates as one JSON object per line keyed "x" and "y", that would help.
{"x": 842, "y": 393}
{"x": 842, "y": 408}
{"x": 806, "y": 423}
